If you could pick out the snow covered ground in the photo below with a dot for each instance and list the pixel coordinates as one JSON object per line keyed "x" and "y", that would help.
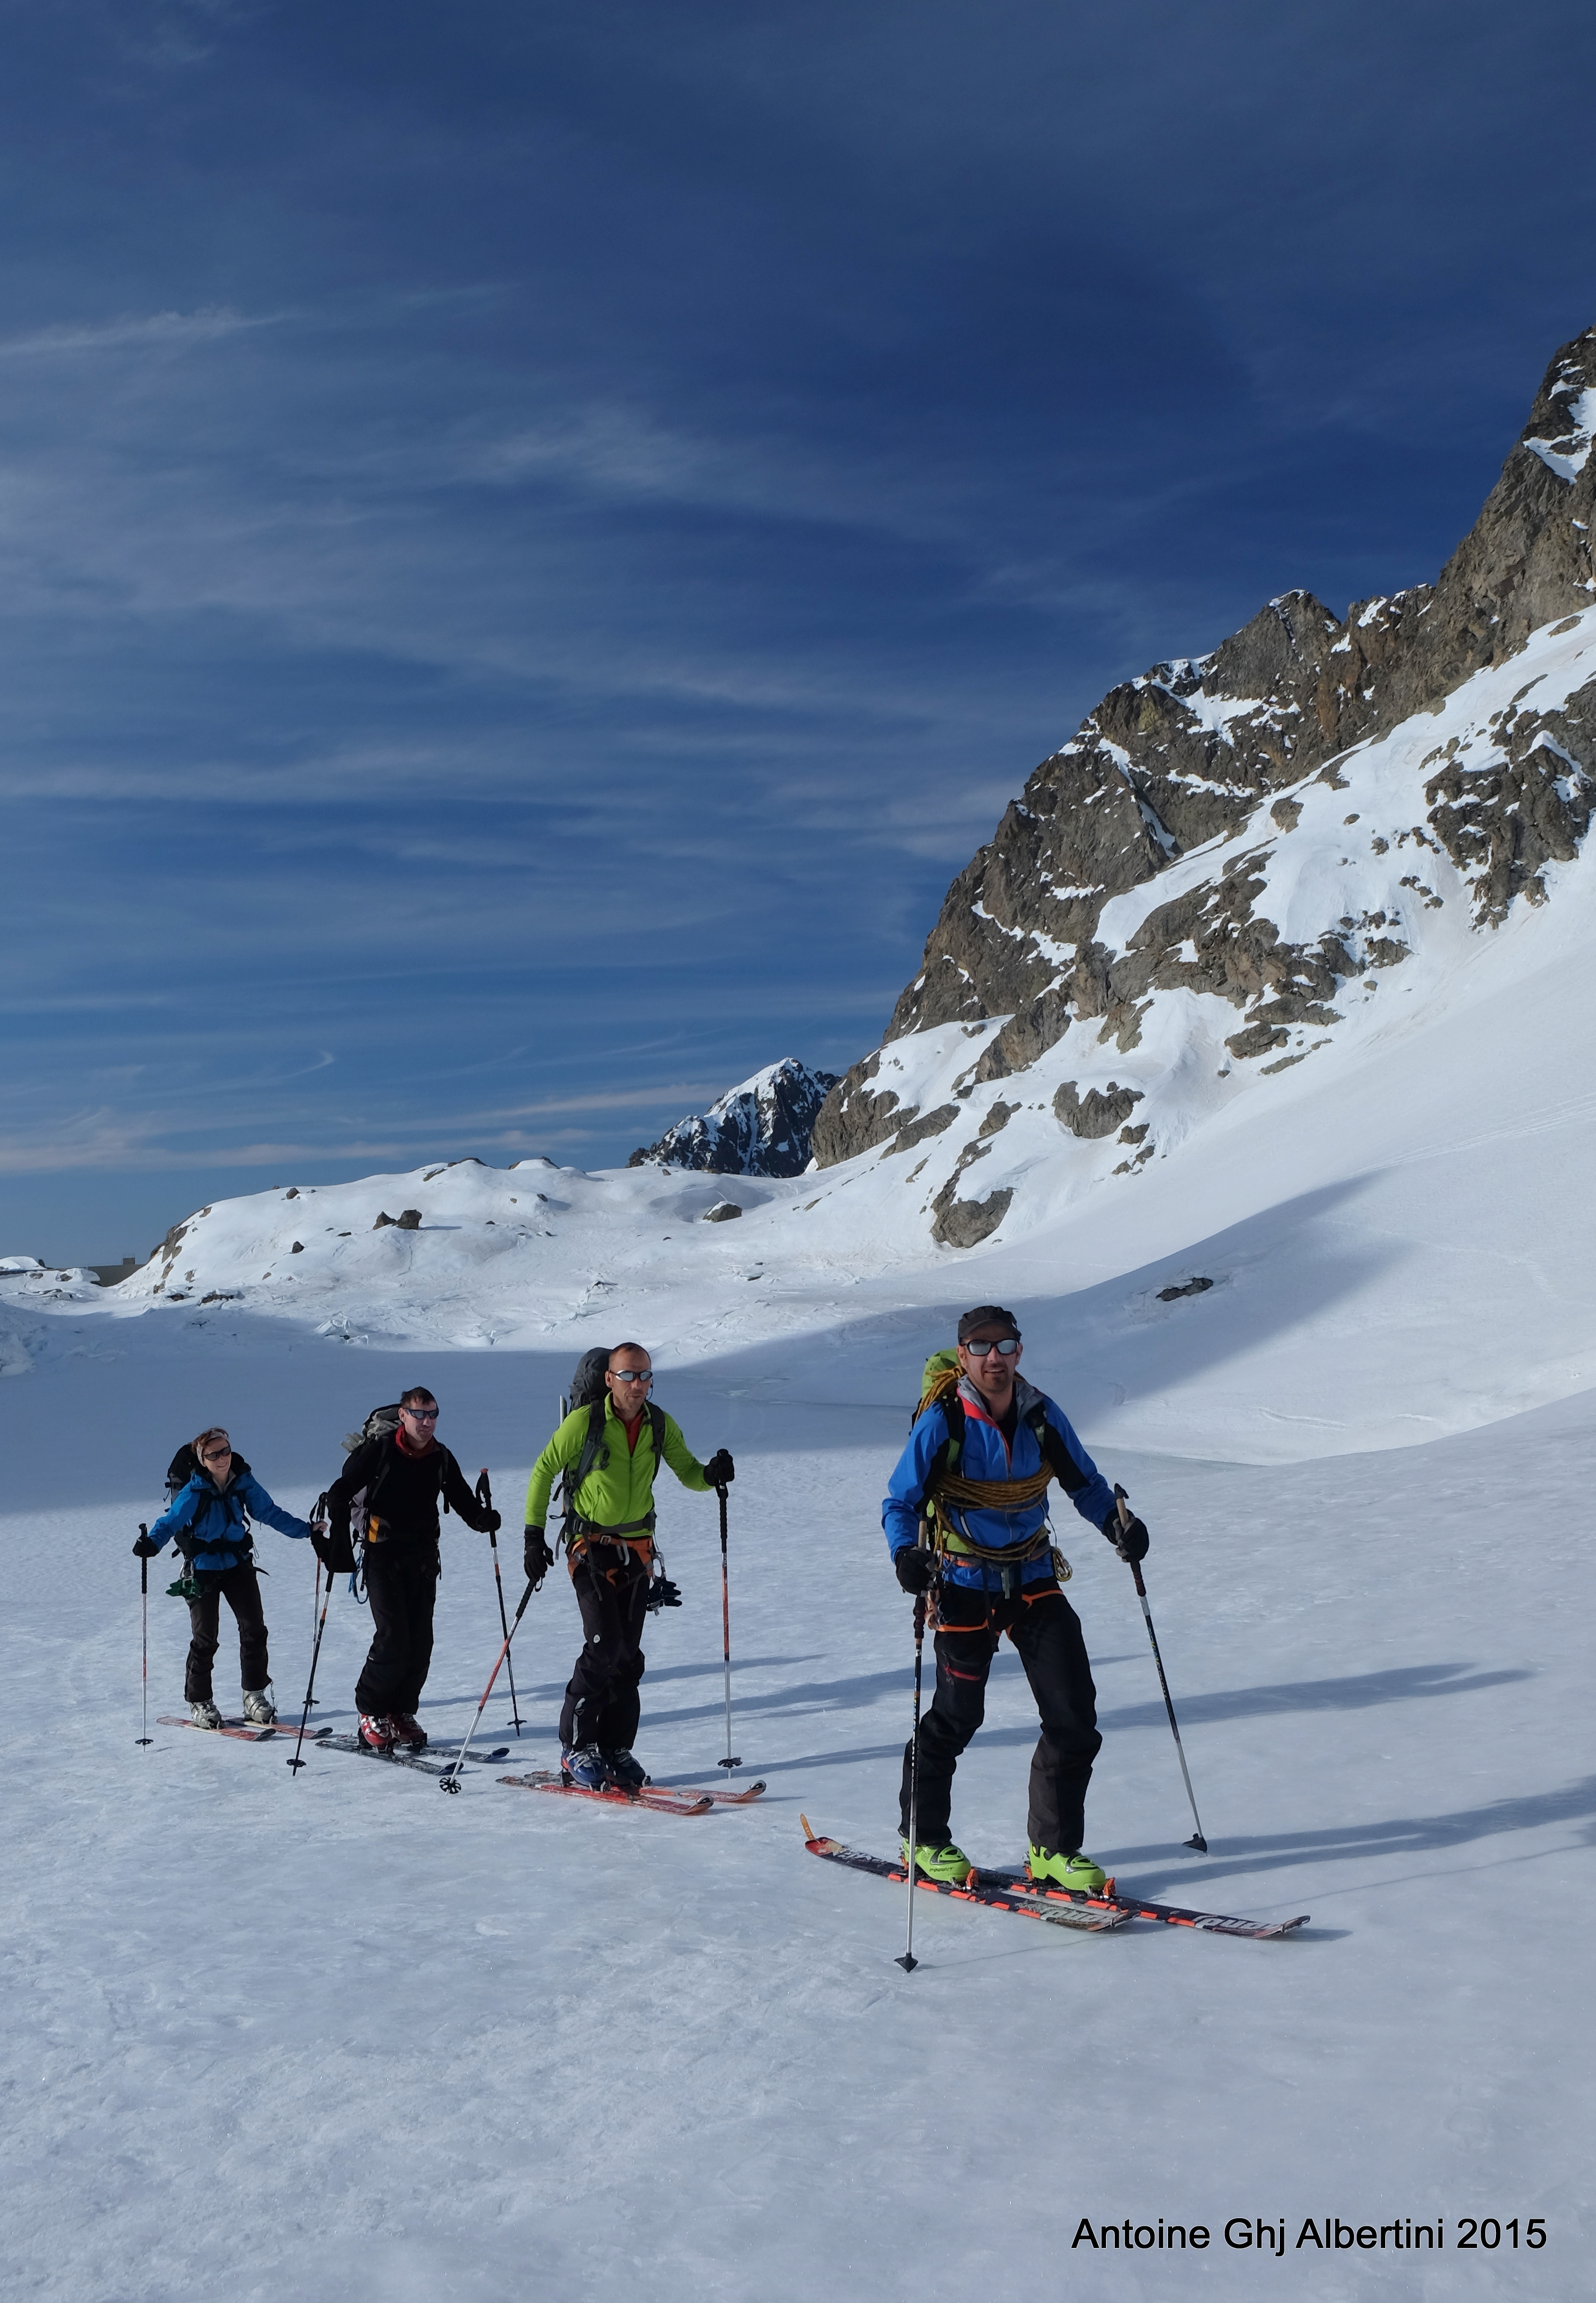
{"x": 339, "y": 2038}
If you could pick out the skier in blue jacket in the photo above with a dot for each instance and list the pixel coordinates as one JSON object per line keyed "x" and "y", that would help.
{"x": 966, "y": 1520}
{"x": 210, "y": 1518}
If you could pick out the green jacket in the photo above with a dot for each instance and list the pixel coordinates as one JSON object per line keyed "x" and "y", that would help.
{"x": 620, "y": 1485}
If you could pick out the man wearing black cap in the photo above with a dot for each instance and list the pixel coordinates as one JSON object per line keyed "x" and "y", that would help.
{"x": 965, "y": 1519}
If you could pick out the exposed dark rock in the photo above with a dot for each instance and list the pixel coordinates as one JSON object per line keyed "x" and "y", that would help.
{"x": 1257, "y": 1039}
{"x": 855, "y": 1115}
{"x": 1172, "y": 1294}
{"x": 723, "y": 1211}
{"x": 1096, "y": 1113}
{"x": 964, "y": 1223}
{"x": 1024, "y": 1036}
{"x": 997, "y": 1118}
{"x": 409, "y": 1220}
{"x": 1502, "y": 818}
{"x": 765, "y": 1127}
{"x": 916, "y": 1131}
{"x": 298, "y": 1248}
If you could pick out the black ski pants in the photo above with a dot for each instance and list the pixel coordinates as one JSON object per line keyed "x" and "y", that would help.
{"x": 1046, "y": 1634}
{"x": 602, "y": 1704}
{"x": 402, "y": 1583}
{"x": 241, "y": 1587}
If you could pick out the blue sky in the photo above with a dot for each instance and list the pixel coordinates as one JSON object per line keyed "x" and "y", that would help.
{"x": 535, "y": 540}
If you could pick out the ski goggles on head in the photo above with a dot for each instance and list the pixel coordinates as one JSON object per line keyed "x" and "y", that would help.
{"x": 1007, "y": 1346}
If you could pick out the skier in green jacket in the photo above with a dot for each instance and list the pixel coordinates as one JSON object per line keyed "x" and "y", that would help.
{"x": 609, "y": 1541}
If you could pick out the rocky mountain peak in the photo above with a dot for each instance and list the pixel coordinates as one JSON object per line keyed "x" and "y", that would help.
{"x": 1197, "y": 753}
{"x": 762, "y": 1128}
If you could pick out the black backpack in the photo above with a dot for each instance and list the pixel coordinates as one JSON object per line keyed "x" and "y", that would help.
{"x": 587, "y": 1390}
{"x": 180, "y": 1471}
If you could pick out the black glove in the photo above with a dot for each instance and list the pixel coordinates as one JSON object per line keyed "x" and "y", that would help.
{"x": 662, "y": 1594}
{"x": 1128, "y": 1537}
{"x": 915, "y": 1569}
{"x": 536, "y": 1558}
{"x": 491, "y": 1523}
{"x": 145, "y": 1548}
{"x": 719, "y": 1470}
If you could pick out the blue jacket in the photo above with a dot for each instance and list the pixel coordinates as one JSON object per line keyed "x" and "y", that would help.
{"x": 987, "y": 1455}
{"x": 221, "y": 1532}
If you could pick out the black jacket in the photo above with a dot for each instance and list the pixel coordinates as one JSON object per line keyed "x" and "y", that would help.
{"x": 402, "y": 1492}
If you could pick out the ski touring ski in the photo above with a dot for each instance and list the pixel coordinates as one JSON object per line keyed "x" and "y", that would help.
{"x": 721, "y": 1797}
{"x": 1136, "y": 1907}
{"x": 245, "y": 1731}
{"x": 426, "y": 1763}
{"x": 973, "y": 1890}
{"x": 662, "y": 1800}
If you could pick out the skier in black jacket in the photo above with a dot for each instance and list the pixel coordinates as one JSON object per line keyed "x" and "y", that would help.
{"x": 403, "y": 1473}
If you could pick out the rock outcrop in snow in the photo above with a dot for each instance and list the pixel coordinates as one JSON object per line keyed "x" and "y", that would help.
{"x": 1192, "y": 842}
{"x": 762, "y": 1128}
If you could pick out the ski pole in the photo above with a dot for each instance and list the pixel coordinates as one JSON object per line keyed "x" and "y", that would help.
{"x": 1197, "y": 1841}
{"x": 318, "y": 1519}
{"x": 144, "y": 1633}
{"x": 909, "y": 1962}
{"x": 296, "y": 1762}
{"x": 485, "y": 1496}
{"x": 726, "y": 1633}
{"x": 450, "y": 1782}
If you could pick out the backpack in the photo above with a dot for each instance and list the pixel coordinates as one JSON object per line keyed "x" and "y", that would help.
{"x": 342, "y": 1559}
{"x": 587, "y": 1390}
{"x": 180, "y": 1471}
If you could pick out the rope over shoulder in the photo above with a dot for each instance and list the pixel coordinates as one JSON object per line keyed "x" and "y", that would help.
{"x": 955, "y": 1493}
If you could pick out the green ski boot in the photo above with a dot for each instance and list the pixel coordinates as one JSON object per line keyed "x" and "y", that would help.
{"x": 947, "y": 1863}
{"x": 1076, "y": 1871}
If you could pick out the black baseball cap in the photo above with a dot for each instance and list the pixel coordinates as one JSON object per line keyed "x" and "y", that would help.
{"x": 986, "y": 1315}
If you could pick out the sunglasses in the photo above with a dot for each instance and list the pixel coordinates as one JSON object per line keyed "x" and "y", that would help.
{"x": 420, "y": 1414}
{"x": 1007, "y": 1345}
{"x": 216, "y": 1454}
{"x": 631, "y": 1375}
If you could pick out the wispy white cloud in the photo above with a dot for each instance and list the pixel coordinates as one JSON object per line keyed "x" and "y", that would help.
{"x": 152, "y": 330}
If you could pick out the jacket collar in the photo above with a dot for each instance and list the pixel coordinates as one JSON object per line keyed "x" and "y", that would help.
{"x": 1026, "y": 1396}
